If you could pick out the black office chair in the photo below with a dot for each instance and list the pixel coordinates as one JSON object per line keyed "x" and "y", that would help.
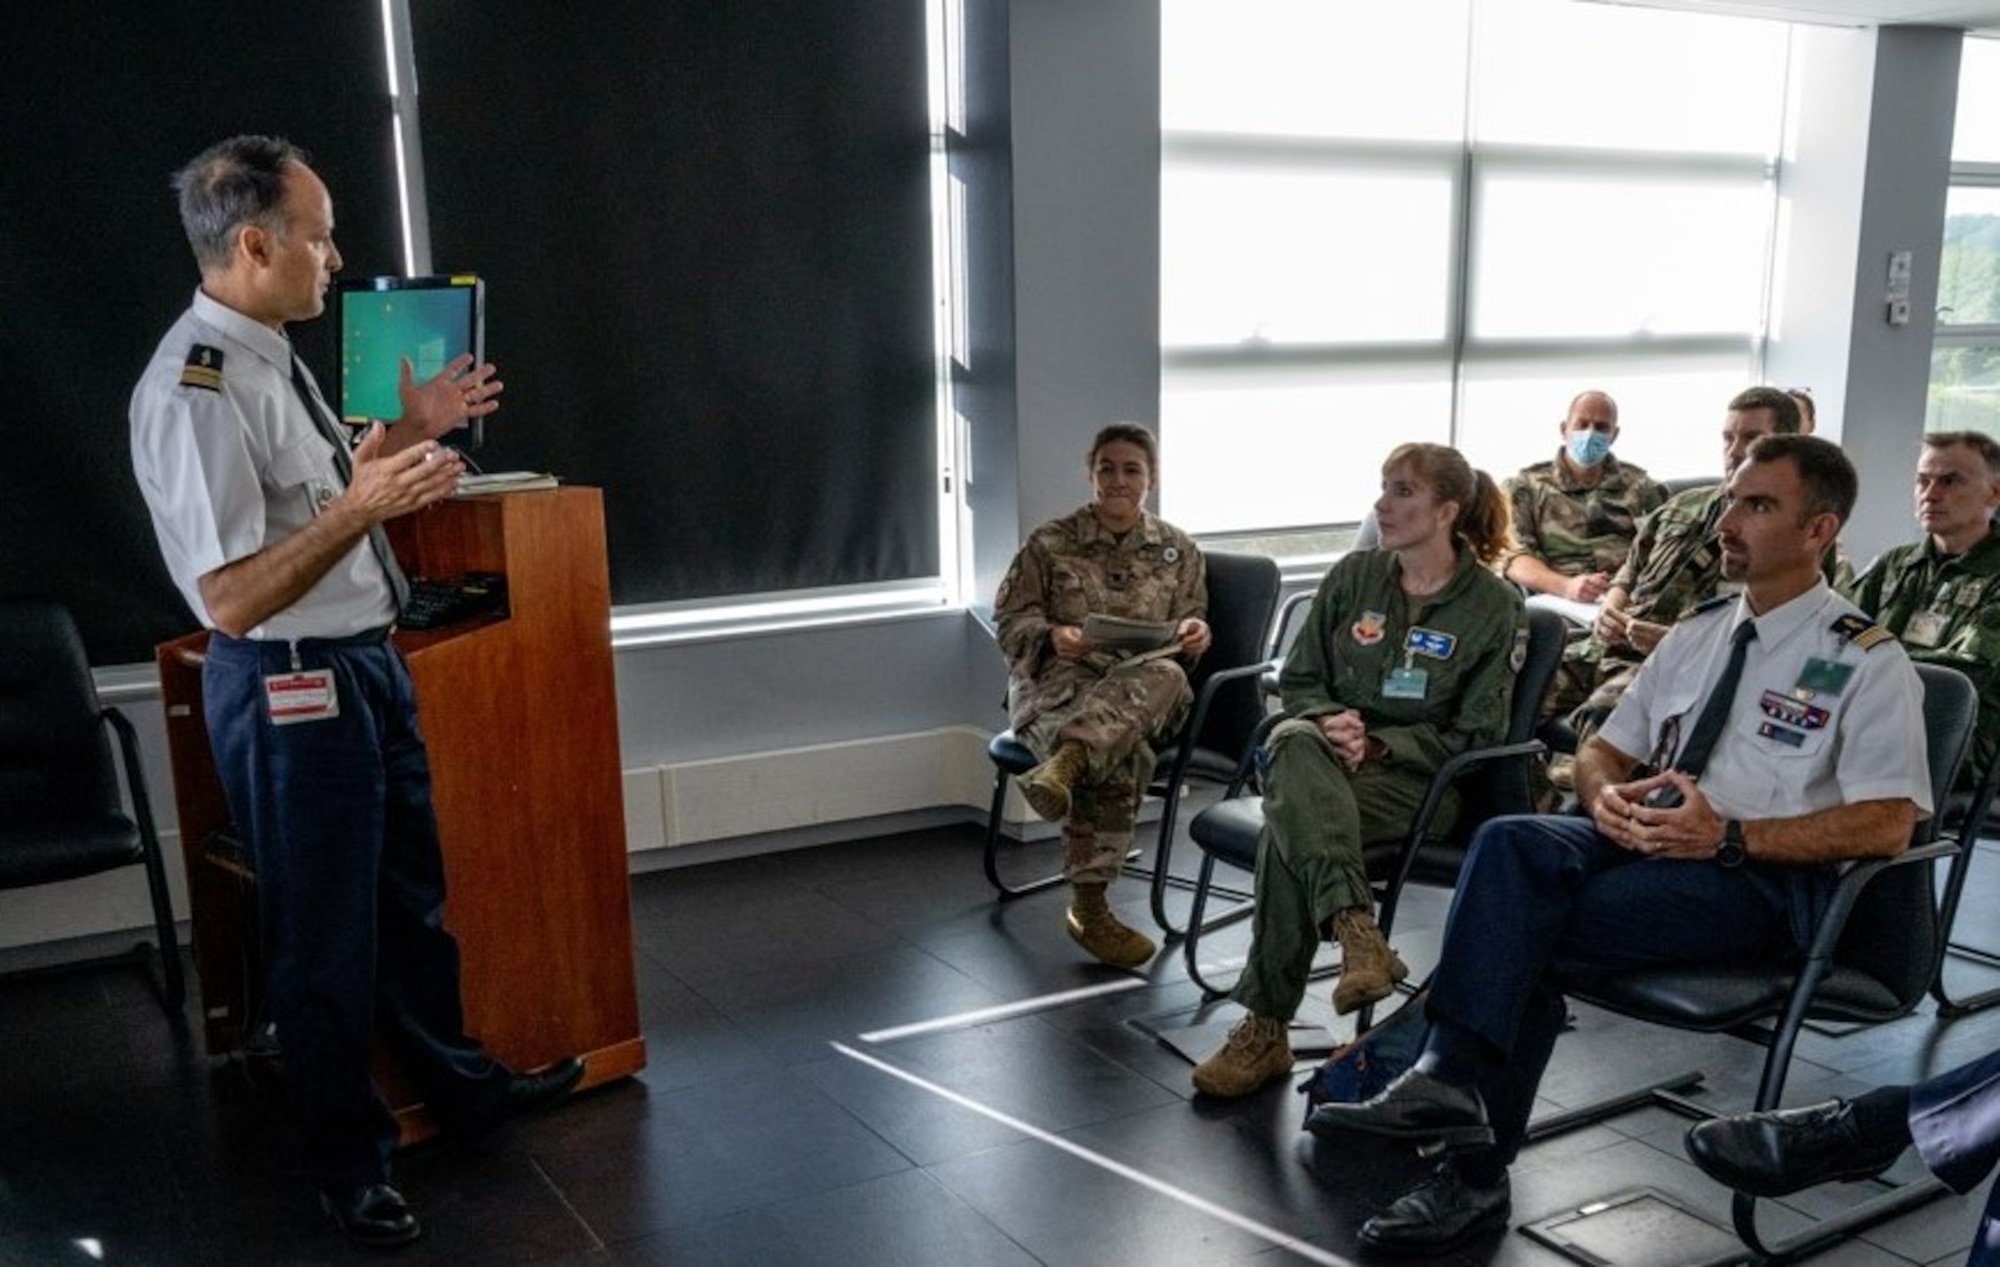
{"x": 1872, "y": 958}
{"x": 61, "y": 816}
{"x": 1967, "y": 817}
{"x": 1242, "y": 598}
{"x": 1491, "y": 781}
{"x": 1682, "y": 483}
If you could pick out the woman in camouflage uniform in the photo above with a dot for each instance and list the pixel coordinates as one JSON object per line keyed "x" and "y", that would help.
{"x": 1407, "y": 657}
{"x": 1091, "y": 712}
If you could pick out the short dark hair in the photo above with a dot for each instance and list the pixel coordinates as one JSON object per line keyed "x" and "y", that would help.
{"x": 1128, "y": 433}
{"x": 1978, "y": 441}
{"x": 1824, "y": 472}
{"x": 1784, "y": 410}
{"x": 237, "y": 181}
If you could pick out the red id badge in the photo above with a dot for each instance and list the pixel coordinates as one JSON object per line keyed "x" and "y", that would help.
{"x": 306, "y": 695}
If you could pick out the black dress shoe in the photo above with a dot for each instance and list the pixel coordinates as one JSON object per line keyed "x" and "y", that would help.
{"x": 1438, "y": 1214}
{"x": 526, "y": 1093}
{"x": 374, "y": 1215}
{"x": 1416, "y": 1106}
{"x": 1772, "y": 1154}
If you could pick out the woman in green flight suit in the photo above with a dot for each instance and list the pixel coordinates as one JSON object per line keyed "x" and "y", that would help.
{"x": 1408, "y": 656}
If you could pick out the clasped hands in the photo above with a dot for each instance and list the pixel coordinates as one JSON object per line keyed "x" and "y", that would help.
{"x": 1350, "y": 738}
{"x": 1691, "y": 829}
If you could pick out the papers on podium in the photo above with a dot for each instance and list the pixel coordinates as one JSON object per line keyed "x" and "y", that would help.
{"x": 1114, "y": 633}
{"x": 504, "y": 482}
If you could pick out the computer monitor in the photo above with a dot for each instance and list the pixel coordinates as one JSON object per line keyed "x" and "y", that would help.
{"x": 378, "y": 321}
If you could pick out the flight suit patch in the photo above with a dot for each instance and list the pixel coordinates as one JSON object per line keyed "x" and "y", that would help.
{"x": 1433, "y": 643}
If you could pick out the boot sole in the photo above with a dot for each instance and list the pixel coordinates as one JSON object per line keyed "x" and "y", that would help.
{"x": 1398, "y": 973}
{"x": 1277, "y": 1075}
{"x": 1051, "y": 804}
{"x": 1120, "y": 961}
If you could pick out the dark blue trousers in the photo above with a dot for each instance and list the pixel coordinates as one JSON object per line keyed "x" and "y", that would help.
{"x": 336, "y": 815}
{"x": 1955, "y": 1121}
{"x": 1546, "y": 901}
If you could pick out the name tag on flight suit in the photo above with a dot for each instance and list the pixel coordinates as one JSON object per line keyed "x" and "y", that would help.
{"x": 1926, "y": 629}
{"x": 1406, "y": 683}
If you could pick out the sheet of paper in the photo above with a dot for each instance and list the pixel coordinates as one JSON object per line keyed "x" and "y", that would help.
{"x": 1114, "y": 633}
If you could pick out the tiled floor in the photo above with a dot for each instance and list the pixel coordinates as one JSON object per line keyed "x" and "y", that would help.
{"x": 799, "y": 1108}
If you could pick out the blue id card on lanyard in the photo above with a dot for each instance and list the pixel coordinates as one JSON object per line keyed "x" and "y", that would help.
{"x": 1406, "y": 683}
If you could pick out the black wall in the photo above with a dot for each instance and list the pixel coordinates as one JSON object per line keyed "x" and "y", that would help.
{"x": 704, "y": 228}
{"x": 705, "y": 232}
{"x": 102, "y": 103}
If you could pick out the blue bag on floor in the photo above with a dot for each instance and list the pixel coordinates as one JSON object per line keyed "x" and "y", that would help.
{"x": 1359, "y": 1070}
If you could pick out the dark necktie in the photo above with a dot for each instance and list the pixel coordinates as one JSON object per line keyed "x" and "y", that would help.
{"x": 1693, "y": 758}
{"x": 378, "y": 540}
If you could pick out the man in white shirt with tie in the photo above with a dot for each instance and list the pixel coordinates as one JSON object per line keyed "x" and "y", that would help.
{"x": 272, "y": 531}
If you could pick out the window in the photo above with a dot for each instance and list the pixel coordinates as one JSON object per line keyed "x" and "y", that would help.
{"x": 1965, "y": 350}
{"x": 1436, "y": 222}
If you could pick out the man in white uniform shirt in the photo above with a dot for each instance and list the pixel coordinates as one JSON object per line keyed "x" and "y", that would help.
{"x": 1781, "y": 732}
{"x": 273, "y": 533}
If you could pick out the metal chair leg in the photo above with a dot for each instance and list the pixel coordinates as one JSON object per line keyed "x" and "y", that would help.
{"x": 992, "y": 857}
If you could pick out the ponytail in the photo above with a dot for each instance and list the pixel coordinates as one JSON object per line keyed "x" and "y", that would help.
{"x": 1486, "y": 521}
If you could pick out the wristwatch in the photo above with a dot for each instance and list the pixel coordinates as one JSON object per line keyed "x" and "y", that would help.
{"x": 1732, "y": 851}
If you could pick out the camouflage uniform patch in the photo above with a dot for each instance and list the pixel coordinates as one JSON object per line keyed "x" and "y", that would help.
{"x": 1946, "y": 611}
{"x": 1577, "y": 528}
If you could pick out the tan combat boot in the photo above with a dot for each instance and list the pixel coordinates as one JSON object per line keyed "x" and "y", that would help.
{"x": 1369, "y": 969}
{"x": 1093, "y": 927}
{"x": 1257, "y": 1054}
{"x": 1047, "y": 785}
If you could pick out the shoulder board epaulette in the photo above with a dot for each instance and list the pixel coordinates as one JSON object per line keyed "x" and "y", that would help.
{"x": 1861, "y": 631}
{"x": 203, "y": 368}
{"x": 1708, "y": 605}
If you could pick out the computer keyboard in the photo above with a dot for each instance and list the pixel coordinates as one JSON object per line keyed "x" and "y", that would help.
{"x": 439, "y": 601}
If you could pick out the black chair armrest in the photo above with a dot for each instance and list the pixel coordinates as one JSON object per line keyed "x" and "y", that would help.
{"x": 1246, "y": 761}
{"x": 1857, "y": 876}
{"x": 1183, "y": 750}
{"x": 1454, "y": 767}
{"x": 135, "y": 779}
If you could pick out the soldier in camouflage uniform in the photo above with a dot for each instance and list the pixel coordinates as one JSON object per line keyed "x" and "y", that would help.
{"x": 1674, "y": 566}
{"x": 1941, "y": 596}
{"x": 1092, "y": 713}
{"x": 1575, "y": 516}
{"x": 1408, "y": 656}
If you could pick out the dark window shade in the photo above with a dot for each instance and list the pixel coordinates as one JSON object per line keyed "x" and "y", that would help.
{"x": 102, "y": 104}
{"x": 705, "y": 230}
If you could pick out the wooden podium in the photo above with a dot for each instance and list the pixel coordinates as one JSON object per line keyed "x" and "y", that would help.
{"x": 521, "y": 719}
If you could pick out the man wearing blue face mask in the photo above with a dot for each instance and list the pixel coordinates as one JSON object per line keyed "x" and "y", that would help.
{"x": 1575, "y": 517}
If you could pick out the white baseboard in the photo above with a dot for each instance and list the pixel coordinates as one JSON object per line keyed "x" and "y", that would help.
{"x": 783, "y": 791}
{"x": 723, "y": 807}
